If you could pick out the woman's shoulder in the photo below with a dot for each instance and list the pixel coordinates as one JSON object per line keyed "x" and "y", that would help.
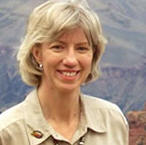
{"x": 15, "y": 114}
{"x": 100, "y": 103}
{"x": 105, "y": 108}
{"x": 11, "y": 116}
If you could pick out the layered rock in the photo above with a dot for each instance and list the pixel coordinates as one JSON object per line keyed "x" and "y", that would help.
{"x": 137, "y": 125}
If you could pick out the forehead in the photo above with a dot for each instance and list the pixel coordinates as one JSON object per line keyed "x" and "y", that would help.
{"x": 75, "y": 35}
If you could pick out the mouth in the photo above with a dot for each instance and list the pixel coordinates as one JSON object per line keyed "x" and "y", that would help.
{"x": 68, "y": 74}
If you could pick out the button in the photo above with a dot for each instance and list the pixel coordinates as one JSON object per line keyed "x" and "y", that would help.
{"x": 37, "y": 134}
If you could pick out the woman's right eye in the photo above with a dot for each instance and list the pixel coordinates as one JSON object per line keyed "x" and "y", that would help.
{"x": 57, "y": 48}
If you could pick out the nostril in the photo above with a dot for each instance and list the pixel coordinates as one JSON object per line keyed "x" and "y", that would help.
{"x": 70, "y": 61}
{"x": 70, "y": 65}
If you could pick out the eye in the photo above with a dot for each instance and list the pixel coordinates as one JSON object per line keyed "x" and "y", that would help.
{"x": 57, "y": 47}
{"x": 83, "y": 49}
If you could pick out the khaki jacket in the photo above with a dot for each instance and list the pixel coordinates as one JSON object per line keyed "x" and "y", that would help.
{"x": 102, "y": 123}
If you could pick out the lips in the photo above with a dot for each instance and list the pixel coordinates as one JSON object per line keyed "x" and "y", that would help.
{"x": 68, "y": 74}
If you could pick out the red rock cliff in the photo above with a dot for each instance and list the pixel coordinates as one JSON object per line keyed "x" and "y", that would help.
{"x": 137, "y": 125}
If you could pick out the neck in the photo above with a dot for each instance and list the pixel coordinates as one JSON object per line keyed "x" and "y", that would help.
{"x": 59, "y": 105}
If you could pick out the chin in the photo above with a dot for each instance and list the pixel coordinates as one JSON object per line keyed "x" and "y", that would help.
{"x": 69, "y": 88}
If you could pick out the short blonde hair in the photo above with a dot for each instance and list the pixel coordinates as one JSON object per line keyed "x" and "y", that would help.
{"x": 47, "y": 23}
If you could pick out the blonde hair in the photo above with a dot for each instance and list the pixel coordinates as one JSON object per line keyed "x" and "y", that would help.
{"x": 46, "y": 23}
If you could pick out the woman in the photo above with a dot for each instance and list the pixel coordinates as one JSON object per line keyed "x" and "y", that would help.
{"x": 60, "y": 52}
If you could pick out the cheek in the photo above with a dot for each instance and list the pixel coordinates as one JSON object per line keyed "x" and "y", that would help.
{"x": 87, "y": 61}
{"x": 50, "y": 59}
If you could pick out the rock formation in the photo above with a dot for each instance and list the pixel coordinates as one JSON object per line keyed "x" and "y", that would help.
{"x": 137, "y": 125}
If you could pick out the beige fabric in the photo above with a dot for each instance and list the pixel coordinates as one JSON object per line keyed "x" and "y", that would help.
{"x": 102, "y": 123}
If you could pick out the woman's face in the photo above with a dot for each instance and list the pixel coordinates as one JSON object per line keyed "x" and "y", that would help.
{"x": 66, "y": 62}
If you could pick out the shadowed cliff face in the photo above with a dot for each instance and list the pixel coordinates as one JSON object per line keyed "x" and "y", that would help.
{"x": 137, "y": 124}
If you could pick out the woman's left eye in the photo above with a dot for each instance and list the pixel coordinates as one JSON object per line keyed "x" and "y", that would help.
{"x": 82, "y": 49}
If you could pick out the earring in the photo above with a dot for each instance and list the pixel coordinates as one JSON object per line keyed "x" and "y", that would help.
{"x": 41, "y": 67}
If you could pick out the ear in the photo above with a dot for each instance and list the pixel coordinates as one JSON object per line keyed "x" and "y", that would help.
{"x": 37, "y": 53}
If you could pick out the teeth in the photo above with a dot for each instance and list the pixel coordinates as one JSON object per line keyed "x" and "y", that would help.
{"x": 69, "y": 73}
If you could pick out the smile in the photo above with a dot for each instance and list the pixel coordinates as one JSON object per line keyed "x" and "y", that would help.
{"x": 70, "y": 74}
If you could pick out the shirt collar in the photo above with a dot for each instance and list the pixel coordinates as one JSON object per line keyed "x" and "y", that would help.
{"x": 35, "y": 120}
{"x": 94, "y": 116}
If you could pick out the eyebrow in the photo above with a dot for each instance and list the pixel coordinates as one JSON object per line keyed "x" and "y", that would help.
{"x": 80, "y": 43}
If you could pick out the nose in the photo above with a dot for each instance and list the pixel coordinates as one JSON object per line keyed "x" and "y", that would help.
{"x": 70, "y": 59}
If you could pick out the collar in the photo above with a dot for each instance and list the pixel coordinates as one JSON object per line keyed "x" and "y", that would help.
{"x": 94, "y": 116}
{"x": 35, "y": 121}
